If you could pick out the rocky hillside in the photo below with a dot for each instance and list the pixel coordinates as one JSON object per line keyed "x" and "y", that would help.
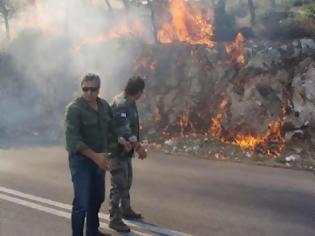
{"x": 264, "y": 105}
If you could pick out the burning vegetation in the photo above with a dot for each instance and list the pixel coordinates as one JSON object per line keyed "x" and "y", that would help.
{"x": 191, "y": 24}
{"x": 187, "y": 22}
{"x": 269, "y": 144}
{"x": 235, "y": 50}
{"x": 248, "y": 94}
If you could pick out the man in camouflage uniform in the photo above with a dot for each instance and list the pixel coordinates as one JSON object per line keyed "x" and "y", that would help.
{"x": 126, "y": 122}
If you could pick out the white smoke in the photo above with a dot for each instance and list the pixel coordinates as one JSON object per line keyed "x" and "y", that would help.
{"x": 52, "y": 44}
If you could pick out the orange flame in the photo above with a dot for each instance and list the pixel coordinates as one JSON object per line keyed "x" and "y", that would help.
{"x": 270, "y": 144}
{"x": 235, "y": 50}
{"x": 189, "y": 23}
{"x": 216, "y": 128}
{"x": 184, "y": 124}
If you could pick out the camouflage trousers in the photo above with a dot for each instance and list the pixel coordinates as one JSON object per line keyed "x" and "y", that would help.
{"x": 121, "y": 181}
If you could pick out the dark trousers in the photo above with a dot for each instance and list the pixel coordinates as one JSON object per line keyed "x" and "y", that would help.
{"x": 89, "y": 193}
{"x": 121, "y": 181}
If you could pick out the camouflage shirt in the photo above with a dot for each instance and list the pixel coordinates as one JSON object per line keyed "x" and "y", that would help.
{"x": 88, "y": 128}
{"x": 126, "y": 120}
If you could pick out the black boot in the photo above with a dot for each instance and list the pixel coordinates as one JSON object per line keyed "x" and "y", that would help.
{"x": 119, "y": 226}
{"x": 131, "y": 214}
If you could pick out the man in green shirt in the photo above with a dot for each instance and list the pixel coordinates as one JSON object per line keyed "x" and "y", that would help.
{"x": 88, "y": 131}
{"x": 126, "y": 123}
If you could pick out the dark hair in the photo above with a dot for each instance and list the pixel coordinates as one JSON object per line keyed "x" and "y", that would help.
{"x": 134, "y": 85}
{"x": 91, "y": 77}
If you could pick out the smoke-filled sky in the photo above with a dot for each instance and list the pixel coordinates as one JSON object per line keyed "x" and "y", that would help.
{"x": 52, "y": 44}
{"x": 86, "y": 26}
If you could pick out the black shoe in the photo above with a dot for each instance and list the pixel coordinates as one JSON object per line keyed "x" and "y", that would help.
{"x": 119, "y": 226}
{"x": 131, "y": 214}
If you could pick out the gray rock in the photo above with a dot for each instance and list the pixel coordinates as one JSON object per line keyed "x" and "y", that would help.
{"x": 289, "y": 135}
{"x": 303, "y": 99}
{"x": 292, "y": 158}
{"x": 297, "y": 150}
{"x": 307, "y": 45}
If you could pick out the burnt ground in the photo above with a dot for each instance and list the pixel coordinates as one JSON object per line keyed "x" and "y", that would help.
{"x": 294, "y": 155}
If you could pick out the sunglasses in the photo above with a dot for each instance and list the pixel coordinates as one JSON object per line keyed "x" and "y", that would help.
{"x": 92, "y": 89}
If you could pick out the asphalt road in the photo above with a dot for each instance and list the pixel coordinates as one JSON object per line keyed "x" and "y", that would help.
{"x": 177, "y": 196}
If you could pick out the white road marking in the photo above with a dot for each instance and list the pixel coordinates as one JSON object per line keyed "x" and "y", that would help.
{"x": 35, "y": 198}
{"x": 35, "y": 206}
{"x": 60, "y": 213}
{"x": 140, "y": 225}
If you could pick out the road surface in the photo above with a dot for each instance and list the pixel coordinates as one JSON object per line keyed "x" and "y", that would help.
{"x": 177, "y": 195}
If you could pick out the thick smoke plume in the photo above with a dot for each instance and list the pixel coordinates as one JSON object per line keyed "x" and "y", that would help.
{"x": 52, "y": 44}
